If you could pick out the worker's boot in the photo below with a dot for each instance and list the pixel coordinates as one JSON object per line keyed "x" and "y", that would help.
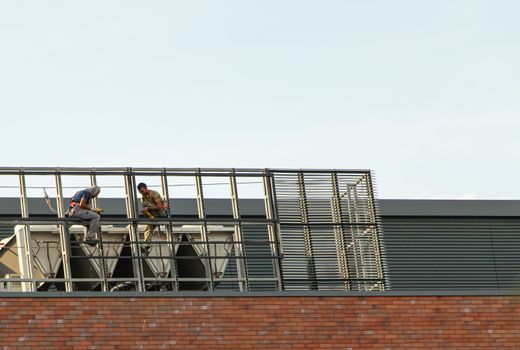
{"x": 145, "y": 249}
{"x": 91, "y": 241}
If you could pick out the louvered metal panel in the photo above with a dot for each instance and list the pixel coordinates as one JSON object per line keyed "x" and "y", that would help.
{"x": 255, "y": 238}
{"x": 329, "y": 230}
{"x": 506, "y": 246}
{"x": 260, "y": 268}
{"x": 441, "y": 253}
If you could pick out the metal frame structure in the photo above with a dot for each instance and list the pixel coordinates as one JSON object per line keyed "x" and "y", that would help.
{"x": 329, "y": 230}
{"x": 323, "y": 220}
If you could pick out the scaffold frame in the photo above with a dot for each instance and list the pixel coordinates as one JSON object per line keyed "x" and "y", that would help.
{"x": 334, "y": 208}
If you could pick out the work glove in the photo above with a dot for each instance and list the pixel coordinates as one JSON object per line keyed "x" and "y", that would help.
{"x": 97, "y": 210}
{"x": 148, "y": 213}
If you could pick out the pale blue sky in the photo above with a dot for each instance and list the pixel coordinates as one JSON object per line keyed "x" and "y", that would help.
{"x": 426, "y": 93}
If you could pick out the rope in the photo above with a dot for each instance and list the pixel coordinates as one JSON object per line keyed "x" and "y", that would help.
{"x": 48, "y": 201}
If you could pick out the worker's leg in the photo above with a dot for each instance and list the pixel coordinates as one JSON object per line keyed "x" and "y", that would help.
{"x": 93, "y": 219}
{"x": 94, "y": 226}
{"x": 148, "y": 233}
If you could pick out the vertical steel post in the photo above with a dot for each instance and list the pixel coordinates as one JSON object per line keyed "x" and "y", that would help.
{"x": 93, "y": 182}
{"x": 351, "y": 195}
{"x": 375, "y": 237}
{"x": 27, "y": 258}
{"x": 204, "y": 228}
{"x": 337, "y": 217}
{"x": 275, "y": 240}
{"x": 169, "y": 231}
{"x": 64, "y": 235}
{"x": 238, "y": 236}
{"x": 359, "y": 250}
{"x": 102, "y": 256}
{"x": 307, "y": 237}
{"x": 131, "y": 213}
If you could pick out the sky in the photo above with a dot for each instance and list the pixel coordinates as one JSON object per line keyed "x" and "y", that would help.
{"x": 425, "y": 93}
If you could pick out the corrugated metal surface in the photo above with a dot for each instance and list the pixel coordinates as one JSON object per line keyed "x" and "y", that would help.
{"x": 457, "y": 253}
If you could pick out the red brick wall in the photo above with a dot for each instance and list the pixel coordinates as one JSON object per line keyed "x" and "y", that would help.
{"x": 393, "y": 322}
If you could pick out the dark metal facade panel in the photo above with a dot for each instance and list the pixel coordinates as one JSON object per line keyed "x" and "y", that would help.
{"x": 443, "y": 253}
{"x": 6, "y": 230}
{"x": 438, "y": 207}
{"x": 255, "y": 238}
{"x": 255, "y": 246}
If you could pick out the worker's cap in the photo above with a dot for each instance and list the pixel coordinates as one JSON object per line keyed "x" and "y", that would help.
{"x": 94, "y": 190}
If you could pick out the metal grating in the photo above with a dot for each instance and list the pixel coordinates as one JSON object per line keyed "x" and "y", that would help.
{"x": 329, "y": 232}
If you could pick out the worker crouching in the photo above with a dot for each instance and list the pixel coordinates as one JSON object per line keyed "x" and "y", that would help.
{"x": 153, "y": 206}
{"x": 80, "y": 207}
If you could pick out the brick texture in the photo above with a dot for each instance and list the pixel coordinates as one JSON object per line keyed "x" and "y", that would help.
{"x": 424, "y": 322}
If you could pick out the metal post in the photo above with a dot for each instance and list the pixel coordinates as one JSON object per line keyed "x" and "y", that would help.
{"x": 307, "y": 237}
{"x": 64, "y": 235}
{"x": 27, "y": 258}
{"x": 104, "y": 267}
{"x": 375, "y": 237}
{"x": 337, "y": 217}
{"x": 273, "y": 228}
{"x": 204, "y": 228}
{"x": 131, "y": 213}
{"x": 354, "y": 231}
{"x": 169, "y": 232}
{"x": 238, "y": 237}
{"x": 93, "y": 182}
{"x": 359, "y": 250}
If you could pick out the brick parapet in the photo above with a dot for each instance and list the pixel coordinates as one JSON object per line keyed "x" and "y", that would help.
{"x": 261, "y": 322}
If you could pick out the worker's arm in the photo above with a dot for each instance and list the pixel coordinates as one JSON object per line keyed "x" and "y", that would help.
{"x": 83, "y": 204}
{"x": 157, "y": 205}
